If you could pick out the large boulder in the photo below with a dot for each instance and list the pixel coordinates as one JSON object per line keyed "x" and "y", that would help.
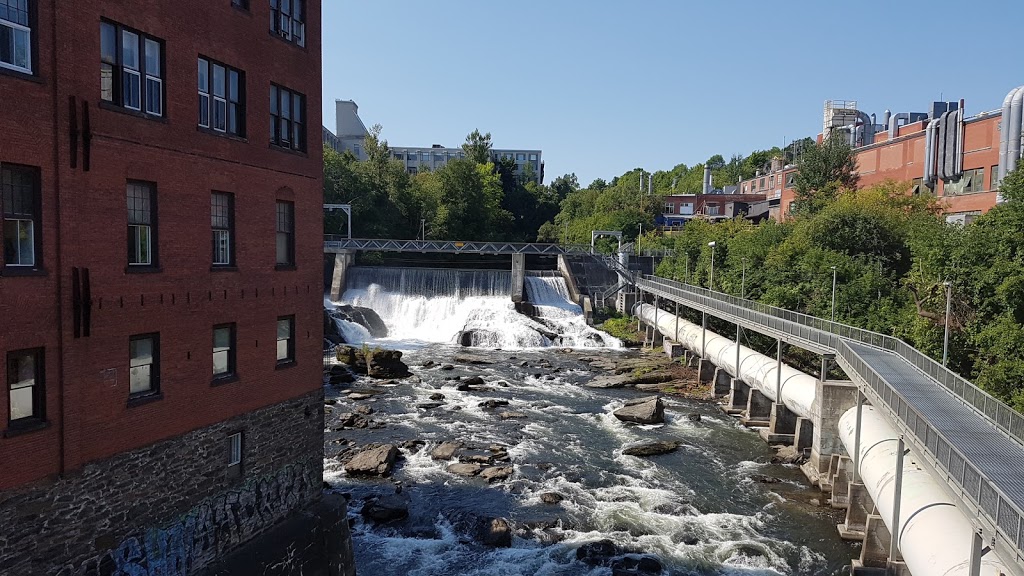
{"x": 365, "y": 317}
{"x": 386, "y": 364}
{"x": 462, "y": 469}
{"x": 446, "y": 451}
{"x": 495, "y": 473}
{"x": 649, "y": 410}
{"x": 651, "y": 448}
{"x": 386, "y": 508}
{"x": 598, "y": 553}
{"x": 376, "y": 461}
{"x": 496, "y": 532}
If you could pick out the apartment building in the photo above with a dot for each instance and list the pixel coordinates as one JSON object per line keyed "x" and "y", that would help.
{"x": 350, "y": 132}
{"x": 160, "y": 280}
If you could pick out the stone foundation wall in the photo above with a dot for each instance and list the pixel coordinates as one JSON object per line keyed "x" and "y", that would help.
{"x": 172, "y": 508}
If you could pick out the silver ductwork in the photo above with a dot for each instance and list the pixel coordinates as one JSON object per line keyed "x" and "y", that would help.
{"x": 894, "y": 123}
{"x": 1013, "y": 133}
{"x": 868, "y": 128}
{"x": 929, "y": 151}
{"x": 1004, "y": 131}
{"x": 707, "y": 179}
{"x": 886, "y": 117}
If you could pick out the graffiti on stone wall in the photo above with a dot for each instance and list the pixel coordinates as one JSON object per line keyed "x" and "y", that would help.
{"x": 210, "y": 530}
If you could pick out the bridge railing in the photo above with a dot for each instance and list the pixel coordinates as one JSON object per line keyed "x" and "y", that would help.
{"x": 450, "y": 246}
{"x": 962, "y": 476}
{"x": 1007, "y": 419}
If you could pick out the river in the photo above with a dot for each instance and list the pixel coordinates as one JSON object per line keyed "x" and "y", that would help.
{"x": 716, "y": 506}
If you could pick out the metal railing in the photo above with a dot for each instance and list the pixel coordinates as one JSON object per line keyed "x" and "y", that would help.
{"x": 332, "y": 242}
{"x": 959, "y": 472}
{"x": 963, "y": 477}
{"x": 1007, "y": 419}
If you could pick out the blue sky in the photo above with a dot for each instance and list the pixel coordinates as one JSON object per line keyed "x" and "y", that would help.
{"x": 605, "y": 86}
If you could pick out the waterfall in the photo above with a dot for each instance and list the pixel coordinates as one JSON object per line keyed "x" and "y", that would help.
{"x": 553, "y": 307}
{"x": 426, "y": 305}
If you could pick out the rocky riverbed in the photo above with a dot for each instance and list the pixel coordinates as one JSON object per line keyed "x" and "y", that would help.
{"x": 562, "y": 462}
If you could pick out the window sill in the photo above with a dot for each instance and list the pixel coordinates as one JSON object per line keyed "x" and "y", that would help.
{"x": 286, "y": 365}
{"x": 103, "y": 104}
{"x": 219, "y": 134}
{"x": 29, "y": 76}
{"x": 222, "y": 380}
{"x": 292, "y": 151}
{"x": 285, "y": 267}
{"x": 143, "y": 399}
{"x": 289, "y": 42}
{"x": 219, "y": 268}
{"x": 13, "y": 271}
{"x": 142, "y": 269}
{"x": 29, "y": 425}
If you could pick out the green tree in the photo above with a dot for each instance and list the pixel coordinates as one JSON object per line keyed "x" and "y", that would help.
{"x": 822, "y": 172}
{"x": 478, "y": 147}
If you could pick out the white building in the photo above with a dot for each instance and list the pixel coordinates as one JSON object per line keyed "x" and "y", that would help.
{"x": 350, "y": 132}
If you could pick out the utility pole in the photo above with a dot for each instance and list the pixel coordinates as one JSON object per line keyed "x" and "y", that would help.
{"x": 833, "y": 294}
{"x": 945, "y": 336}
{"x": 743, "y": 280}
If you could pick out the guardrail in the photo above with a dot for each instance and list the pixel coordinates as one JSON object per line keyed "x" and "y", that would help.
{"x": 449, "y": 246}
{"x": 1006, "y": 418}
{"x": 962, "y": 476}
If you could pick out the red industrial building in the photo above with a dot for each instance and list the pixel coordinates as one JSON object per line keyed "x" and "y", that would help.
{"x": 161, "y": 275}
{"x": 902, "y": 152}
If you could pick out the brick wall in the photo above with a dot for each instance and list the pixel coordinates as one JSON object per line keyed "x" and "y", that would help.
{"x": 84, "y": 225}
{"x": 173, "y": 507}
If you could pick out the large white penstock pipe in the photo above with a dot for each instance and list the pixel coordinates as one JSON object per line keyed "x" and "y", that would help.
{"x": 934, "y": 535}
{"x": 756, "y": 369}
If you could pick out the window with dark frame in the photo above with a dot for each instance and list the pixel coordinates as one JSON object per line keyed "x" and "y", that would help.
{"x": 286, "y": 340}
{"x": 15, "y": 35}
{"x": 285, "y": 234}
{"x": 221, "y": 97}
{"x": 223, "y": 351}
{"x": 288, "y": 20}
{"x": 144, "y": 365}
{"x": 131, "y": 69}
{"x": 235, "y": 449}
{"x": 20, "y": 211}
{"x": 26, "y": 387}
{"x": 222, "y": 223}
{"x": 141, "y": 224}
{"x": 287, "y": 118}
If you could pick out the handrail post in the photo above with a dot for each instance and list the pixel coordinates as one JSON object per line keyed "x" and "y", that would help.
{"x": 897, "y": 496}
{"x": 675, "y": 335}
{"x": 656, "y": 306}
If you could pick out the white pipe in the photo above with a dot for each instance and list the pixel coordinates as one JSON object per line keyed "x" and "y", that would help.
{"x": 929, "y": 151}
{"x": 1013, "y": 132}
{"x": 934, "y": 535}
{"x": 756, "y": 369}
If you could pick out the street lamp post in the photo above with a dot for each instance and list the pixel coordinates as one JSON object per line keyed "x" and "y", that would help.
{"x": 833, "y": 293}
{"x": 945, "y": 336}
{"x": 711, "y": 280}
{"x": 743, "y": 279}
{"x": 423, "y": 229}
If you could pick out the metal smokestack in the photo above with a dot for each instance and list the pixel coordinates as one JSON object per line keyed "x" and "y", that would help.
{"x": 707, "y": 179}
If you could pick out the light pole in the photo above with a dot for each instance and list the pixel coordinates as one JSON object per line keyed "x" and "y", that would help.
{"x": 423, "y": 229}
{"x": 945, "y": 336}
{"x": 833, "y": 293}
{"x": 711, "y": 280}
{"x": 687, "y": 274}
{"x": 743, "y": 280}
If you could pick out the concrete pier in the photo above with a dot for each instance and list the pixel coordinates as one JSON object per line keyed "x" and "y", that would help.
{"x": 832, "y": 400}
{"x": 759, "y": 410}
{"x": 343, "y": 259}
{"x": 738, "y": 394}
{"x": 705, "y": 370}
{"x": 518, "y": 277}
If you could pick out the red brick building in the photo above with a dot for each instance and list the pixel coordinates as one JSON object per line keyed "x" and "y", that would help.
{"x": 161, "y": 272}
{"x": 902, "y": 158}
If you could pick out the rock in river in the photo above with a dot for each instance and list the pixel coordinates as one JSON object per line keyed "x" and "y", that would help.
{"x": 464, "y": 469}
{"x": 551, "y": 497}
{"x": 386, "y": 508}
{"x": 649, "y": 410}
{"x": 496, "y": 532}
{"x": 373, "y": 461}
{"x": 651, "y": 448}
{"x": 496, "y": 473}
{"x": 445, "y": 451}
